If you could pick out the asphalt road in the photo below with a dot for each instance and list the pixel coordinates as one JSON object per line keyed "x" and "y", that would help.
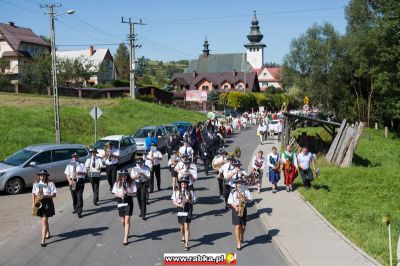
{"x": 96, "y": 239}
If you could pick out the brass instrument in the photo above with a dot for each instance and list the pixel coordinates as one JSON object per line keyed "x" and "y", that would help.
{"x": 37, "y": 205}
{"x": 107, "y": 151}
{"x": 214, "y": 164}
{"x": 293, "y": 144}
{"x": 242, "y": 202}
{"x": 236, "y": 153}
{"x": 151, "y": 160}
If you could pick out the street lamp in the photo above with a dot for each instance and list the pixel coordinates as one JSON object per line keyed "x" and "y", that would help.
{"x": 54, "y": 68}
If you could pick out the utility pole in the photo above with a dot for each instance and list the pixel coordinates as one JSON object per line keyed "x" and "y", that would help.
{"x": 132, "y": 58}
{"x": 56, "y": 105}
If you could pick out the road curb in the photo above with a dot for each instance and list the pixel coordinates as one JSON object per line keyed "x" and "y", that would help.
{"x": 334, "y": 229}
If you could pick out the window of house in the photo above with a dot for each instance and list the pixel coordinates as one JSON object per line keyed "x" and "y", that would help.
{"x": 204, "y": 88}
{"x": 240, "y": 87}
{"x": 265, "y": 74}
{"x": 226, "y": 87}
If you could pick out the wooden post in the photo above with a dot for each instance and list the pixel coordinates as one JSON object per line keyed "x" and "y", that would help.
{"x": 334, "y": 145}
{"x": 386, "y": 132}
{"x": 376, "y": 126}
{"x": 16, "y": 88}
{"x": 48, "y": 90}
{"x": 79, "y": 93}
{"x": 350, "y": 152}
{"x": 108, "y": 95}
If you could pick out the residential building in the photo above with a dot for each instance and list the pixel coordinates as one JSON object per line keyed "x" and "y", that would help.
{"x": 270, "y": 77}
{"x": 103, "y": 67}
{"x": 18, "y": 45}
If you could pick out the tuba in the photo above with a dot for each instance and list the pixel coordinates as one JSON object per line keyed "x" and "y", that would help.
{"x": 242, "y": 203}
{"x": 236, "y": 153}
{"x": 37, "y": 205}
{"x": 74, "y": 176}
{"x": 214, "y": 164}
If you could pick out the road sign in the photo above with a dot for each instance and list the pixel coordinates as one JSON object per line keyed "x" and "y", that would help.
{"x": 96, "y": 112}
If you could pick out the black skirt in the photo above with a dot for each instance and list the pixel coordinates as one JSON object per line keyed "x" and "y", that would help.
{"x": 236, "y": 220}
{"x": 126, "y": 210}
{"x": 47, "y": 209}
{"x": 173, "y": 172}
{"x": 185, "y": 219}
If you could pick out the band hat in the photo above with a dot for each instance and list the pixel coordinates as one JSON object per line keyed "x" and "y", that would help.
{"x": 238, "y": 179}
{"x": 93, "y": 150}
{"x": 231, "y": 158}
{"x": 187, "y": 161}
{"x": 173, "y": 152}
{"x": 236, "y": 163}
{"x": 75, "y": 154}
{"x": 43, "y": 172}
{"x": 222, "y": 151}
{"x": 123, "y": 172}
{"x": 139, "y": 160}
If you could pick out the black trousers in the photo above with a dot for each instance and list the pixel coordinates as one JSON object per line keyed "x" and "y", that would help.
{"x": 226, "y": 190}
{"x": 95, "y": 182}
{"x": 221, "y": 186}
{"x": 306, "y": 176}
{"x": 157, "y": 172}
{"x": 141, "y": 197}
{"x": 77, "y": 196}
{"x": 206, "y": 163}
{"x": 111, "y": 171}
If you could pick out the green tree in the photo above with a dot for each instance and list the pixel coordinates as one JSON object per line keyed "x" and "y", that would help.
{"x": 121, "y": 60}
{"x": 213, "y": 96}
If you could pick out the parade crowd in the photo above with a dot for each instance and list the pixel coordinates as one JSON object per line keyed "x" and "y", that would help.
{"x": 204, "y": 141}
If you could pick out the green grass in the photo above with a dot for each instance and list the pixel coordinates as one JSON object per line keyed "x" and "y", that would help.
{"x": 27, "y": 120}
{"x": 355, "y": 199}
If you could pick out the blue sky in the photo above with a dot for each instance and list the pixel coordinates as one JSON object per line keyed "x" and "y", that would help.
{"x": 176, "y": 28}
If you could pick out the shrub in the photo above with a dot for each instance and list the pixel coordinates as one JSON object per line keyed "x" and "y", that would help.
{"x": 120, "y": 83}
{"x": 147, "y": 98}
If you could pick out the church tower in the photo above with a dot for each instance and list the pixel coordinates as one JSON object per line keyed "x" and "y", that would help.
{"x": 206, "y": 50}
{"x": 255, "y": 49}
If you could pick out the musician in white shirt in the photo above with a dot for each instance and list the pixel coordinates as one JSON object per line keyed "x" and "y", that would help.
{"x": 45, "y": 189}
{"x": 183, "y": 199}
{"x": 223, "y": 172}
{"x": 111, "y": 161}
{"x": 172, "y": 162}
{"x": 75, "y": 173}
{"x": 262, "y": 131}
{"x": 141, "y": 175}
{"x": 189, "y": 169}
{"x": 186, "y": 150}
{"x": 124, "y": 188}
{"x": 234, "y": 201}
{"x": 93, "y": 166}
{"x": 153, "y": 161}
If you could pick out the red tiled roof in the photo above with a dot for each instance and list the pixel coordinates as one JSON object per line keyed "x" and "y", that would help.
{"x": 276, "y": 72}
{"x": 15, "y": 35}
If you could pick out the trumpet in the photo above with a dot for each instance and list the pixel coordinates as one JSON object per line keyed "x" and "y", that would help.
{"x": 37, "y": 205}
{"x": 242, "y": 203}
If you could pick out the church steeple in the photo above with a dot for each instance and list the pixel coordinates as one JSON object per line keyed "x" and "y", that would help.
{"x": 255, "y": 35}
{"x": 255, "y": 49}
{"x": 206, "y": 51}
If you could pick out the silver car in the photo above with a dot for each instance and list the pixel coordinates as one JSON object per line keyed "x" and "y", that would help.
{"x": 18, "y": 171}
{"x": 159, "y": 132}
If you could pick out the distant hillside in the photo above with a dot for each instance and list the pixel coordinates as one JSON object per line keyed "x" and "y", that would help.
{"x": 27, "y": 119}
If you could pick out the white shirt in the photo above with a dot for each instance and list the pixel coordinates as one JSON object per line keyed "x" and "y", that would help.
{"x": 173, "y": 159}
{"x": 258, "y": 163}
{"x": 157, "y": 157}
{"x": 175, "y": 196}
{"x": 274, "y": 156}
{"x": 303, "y": 160}
{"x": 186, "y": 150}
{"x": 48, "y": 190}
{"x": 238, "y": 174}
{"x": 262, "y": 128}
{"x": 179, "y": 166}
{"x": 137, "y": 170}
{"x": 225, "y": 169}
{"x": 113, "y": 160}
{"x": 119, "y": 189}
{"x": 80, "y": 169}
{"x": 98, "y": 164}
{"x": 233, "y": 199}
{"x": 192, "y": 171}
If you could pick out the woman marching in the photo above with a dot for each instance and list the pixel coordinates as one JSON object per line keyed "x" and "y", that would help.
{"x": 273, "y": 162}
{"x": 238, "y": 198}
{"x": 43, "y": 192}
{"x": 123, "y": 190}
{"x": 290, "y": 167}
{"x": 183, "y": 199}
{"x": 258, "y": 166}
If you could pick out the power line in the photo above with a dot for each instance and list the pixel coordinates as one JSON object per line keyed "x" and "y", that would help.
{"x": 21, "y": 7}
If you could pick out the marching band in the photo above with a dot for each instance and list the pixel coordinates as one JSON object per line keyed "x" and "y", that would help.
{"x": 233, "y": 181}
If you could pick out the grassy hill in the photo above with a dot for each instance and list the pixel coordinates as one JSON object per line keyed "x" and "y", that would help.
{"x": 27, "y": 119}
{"x": 355, "y": 199}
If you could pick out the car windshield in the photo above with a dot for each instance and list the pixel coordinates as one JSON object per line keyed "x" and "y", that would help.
{"x": 274, "y": 122}
{"x": 142, "y": 133}
{"x": 170, "y": 129}
{"x": 102, "y": 142}
{"x": 19, "y": 157}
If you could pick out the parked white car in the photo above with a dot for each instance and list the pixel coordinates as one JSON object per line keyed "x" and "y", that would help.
{"x": 125, "y": 144}
{"x": 275, "y": 127}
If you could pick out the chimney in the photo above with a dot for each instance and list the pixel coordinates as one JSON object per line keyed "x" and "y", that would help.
{"x": 11, "y": 24}
{"x": 91, "y": 50}
{"x": 194, "y": 74}
{"x": 234, "y": 73}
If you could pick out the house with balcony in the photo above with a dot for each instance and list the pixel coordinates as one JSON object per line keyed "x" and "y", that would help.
{"x": 17, "y": 46}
